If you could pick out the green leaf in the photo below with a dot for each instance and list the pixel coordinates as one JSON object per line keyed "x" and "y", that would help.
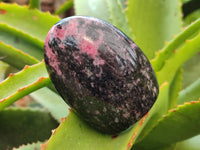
{"x": 33, "y": 146}
{"x": 29, "y": 21}
{"x": 153, "y": 23}
{"x": 92, "y": 8}
{"x": 190, "y": 93}
{"x": 189, "y": 144}
{"x": 15, "y": 57}
{"x": 185, "y": 1}
{"x": 20, "y": 40}
{"x": 67, "y": 5}
{"x": 52, "y": 102}
{"x": 170, "y": 147}
{"x": 19, "y": 127}
{"x": 187, "y": 51}
{"x": 79, "y": 135}
{"x": 179, "y": 124}
{"x": 191, "y": 71}
{"x": 117, "y": 16}
{"x": 163, "y": 55}
{"x": 3, "y": 68}
{"x": 175, "y": 87}
{"x": 76, "y": 135}
{"x": 192, "y": 17}
{"x": 20, "y": 84}
{"x": 122, "y": 4}
{"x": 34, "y": 4}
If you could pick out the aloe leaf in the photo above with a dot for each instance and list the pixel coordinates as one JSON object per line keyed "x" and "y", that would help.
{"x": 187, "y": 51}
{"x": 19, "y": 40}
{"x": 192, "y": 17}
{"x": 190, "y": 93}
{"x": 191, "y": 71}
{"x": 123, "y": 4}
{"x": 52, "y": 102}
{"x": 185, "y": 1}
{"x": 73, "y": 133}
{"x": 189, "y": 144}
{"x": 20, "y": 84}
{"x": 15, "y": 57}
{"x": 3, "y": 68}
{"x": 21, "y": 126}
{"x": 175, "y": 88}
{"x": 159, "y": 61}
{"x": 117, "y": 16}
{"x": 79, "y": 135}
{"x": 170, "y": 147}
{"x": 67, "y": 5}
{"x": 161, "y": 20}
{"x": 179, "y": 124}
{"x": 32, "y": 146}
{"x": 34, "y": 4}
{"x": 30, "y": 21}
{"x": 92, "y": 8}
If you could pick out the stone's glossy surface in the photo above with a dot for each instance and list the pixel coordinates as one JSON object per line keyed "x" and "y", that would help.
{"x": 100, "y": 73}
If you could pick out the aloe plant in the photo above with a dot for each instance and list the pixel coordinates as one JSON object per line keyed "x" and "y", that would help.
{"x": 171, "y": 43}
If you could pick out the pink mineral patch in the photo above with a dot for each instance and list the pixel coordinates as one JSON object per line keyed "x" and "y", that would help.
{"x": 90, "y": 47}
{"x": 65, "y": 31}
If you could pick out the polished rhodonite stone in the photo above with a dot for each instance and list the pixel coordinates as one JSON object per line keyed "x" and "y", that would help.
{"x": 103, "y": 75}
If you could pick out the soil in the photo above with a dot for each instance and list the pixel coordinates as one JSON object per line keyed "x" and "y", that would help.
{"x": 46, "y": 5}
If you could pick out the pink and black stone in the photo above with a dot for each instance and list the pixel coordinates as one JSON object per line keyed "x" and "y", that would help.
{"x": 100, "y": 73}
